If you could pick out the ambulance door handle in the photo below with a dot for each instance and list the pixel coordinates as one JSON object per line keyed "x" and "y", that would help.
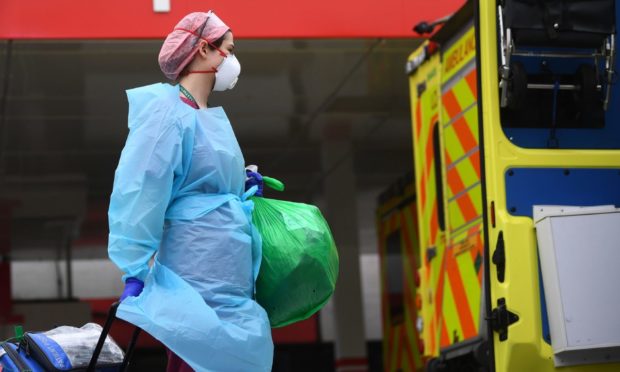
{"x": 501, "y": 318}
{"x": 499, "y": 257}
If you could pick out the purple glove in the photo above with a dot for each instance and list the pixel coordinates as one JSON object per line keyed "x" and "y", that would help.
{"x": 254, "y": 179}
{"x": 133, "y": 288}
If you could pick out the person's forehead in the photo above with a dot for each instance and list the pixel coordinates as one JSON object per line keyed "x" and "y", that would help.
{"x": 229, "y": 38}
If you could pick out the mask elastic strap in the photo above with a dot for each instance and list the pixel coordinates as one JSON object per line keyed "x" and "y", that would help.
{"x": 212, "y": 71}
{"x": 197, "y": 35}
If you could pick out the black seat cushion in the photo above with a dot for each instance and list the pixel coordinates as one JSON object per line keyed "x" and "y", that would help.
{"x": 580, "y": 23}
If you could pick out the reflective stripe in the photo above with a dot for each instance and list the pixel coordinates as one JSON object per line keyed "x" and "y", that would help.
{"x": 466, "y": 191}
{"x": 401, "y": 340}
{"x": 466, "y": 225}
{"x": 461, "y": 305}
{"x": 460, "y": 298}
{"x": 450, "y": 311}
{"x": 467, "y": 155}
{"x": 445, "y": 337}
{"x": 471, "y": 287}
{"x": 460, "y": 114}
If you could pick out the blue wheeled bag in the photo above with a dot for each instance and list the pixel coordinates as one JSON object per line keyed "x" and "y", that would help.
{"x": 14, "y": 359}
{"x": 67, "y": 349}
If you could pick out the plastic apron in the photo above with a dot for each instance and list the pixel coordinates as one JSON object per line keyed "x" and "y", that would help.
{"x": 178, "y": 194}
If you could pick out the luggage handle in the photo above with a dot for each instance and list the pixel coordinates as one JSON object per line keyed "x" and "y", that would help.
{"x": 104, "y": 334}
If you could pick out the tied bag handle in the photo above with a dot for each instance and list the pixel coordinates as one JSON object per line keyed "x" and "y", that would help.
{"x": 273, "y": 183}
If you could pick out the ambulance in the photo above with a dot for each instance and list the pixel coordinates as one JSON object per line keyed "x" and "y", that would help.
{"x": 514, "y": 243}
{"x": 399, "y": 257}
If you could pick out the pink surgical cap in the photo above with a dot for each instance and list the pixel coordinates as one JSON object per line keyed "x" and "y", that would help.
{"x": 182, "y": 43}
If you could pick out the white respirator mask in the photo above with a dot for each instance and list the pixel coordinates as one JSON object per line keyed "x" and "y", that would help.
{"x": 227, "y": 73}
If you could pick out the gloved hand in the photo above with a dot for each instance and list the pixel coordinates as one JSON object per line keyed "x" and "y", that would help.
{"x": 133, "y": 287}
{"x": 253, "y": 178}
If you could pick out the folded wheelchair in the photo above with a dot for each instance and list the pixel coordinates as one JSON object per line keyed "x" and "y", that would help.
{"x": 561, "y": 53}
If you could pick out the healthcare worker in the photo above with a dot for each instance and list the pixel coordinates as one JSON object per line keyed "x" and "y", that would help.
{"x": 180, "y": 219}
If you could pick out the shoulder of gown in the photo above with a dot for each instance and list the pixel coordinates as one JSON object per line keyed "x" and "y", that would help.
{"x": 157, "y": 100}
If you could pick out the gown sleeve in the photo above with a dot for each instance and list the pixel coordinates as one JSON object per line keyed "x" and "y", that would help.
{"x": 143, "y": 187}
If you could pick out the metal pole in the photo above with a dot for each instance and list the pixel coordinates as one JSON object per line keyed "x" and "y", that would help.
{"x": 555, "y": 55}
{"x": 4, "y": 104}
{"x": 560, "y": 87}
{"x": 68, "y": 252}
{"x": 57, "y": 263}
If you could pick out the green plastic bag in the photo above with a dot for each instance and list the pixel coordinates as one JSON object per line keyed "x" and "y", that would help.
{"x": 300, "y": 261}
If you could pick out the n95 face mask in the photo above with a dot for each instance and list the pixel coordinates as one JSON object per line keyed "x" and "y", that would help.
{"x": 227, "y": 73}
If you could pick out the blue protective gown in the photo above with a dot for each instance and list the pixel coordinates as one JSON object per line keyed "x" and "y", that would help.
{"x": 178, "y": 196}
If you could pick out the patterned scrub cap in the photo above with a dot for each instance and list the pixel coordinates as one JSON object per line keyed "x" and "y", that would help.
{"x": 181, "y": 44}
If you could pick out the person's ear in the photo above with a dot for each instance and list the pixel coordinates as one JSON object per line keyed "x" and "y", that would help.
{"x": 203, "y": 48}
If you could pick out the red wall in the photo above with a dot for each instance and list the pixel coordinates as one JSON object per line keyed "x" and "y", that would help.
{"x": 136, "y": 19}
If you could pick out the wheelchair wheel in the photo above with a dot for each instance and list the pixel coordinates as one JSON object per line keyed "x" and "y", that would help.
{"x": 517, "y": 86}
